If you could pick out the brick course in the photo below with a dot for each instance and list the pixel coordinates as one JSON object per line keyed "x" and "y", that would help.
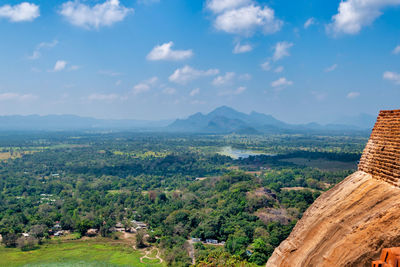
{"x": 381, "y": 156}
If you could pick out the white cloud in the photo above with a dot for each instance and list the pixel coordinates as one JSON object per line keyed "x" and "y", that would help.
{"x": 47, "y": 44}
{"x": 144, "y": 86}
{"x": 281, "y": 82}
{"x": 109, "y": 73}
{"x": 279, "y": 69}
{"x": 331, "y": 68}
{"x": 36, "y": 54}
{"x": 353, "y": 95}
{"x": 60, "y": 65}
{"x": 396, "y": 50}
{"x": 309, "y": 22}
{"x": 246, "y": 20}
{"x": 85, "y": 16}
{"x": 74, "y": 67}
{"x": 21, "y": 12}
{"x": 195, "y": 92}
{"x": 354, "y": 14}
{"x": 392, "y": 76}
{"x": 266, "y": 66}
{"x": 164, "y": 52}
{"x": 245, "y": 77}
{"x": 239, "y": 49}
{"x": 169, "y": 91}
{"x": 281, "y": 50}
{"x": 224, "y": 79}
{"x": 238, "y": 91}
{"x": 218, "y": 6}
{"x": 16, "y": 97}
{"x": 187, "y": 73}
{"x": 103, "y": 97}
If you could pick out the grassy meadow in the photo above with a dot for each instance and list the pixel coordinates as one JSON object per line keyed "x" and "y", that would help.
{"x": 75, "y": 253}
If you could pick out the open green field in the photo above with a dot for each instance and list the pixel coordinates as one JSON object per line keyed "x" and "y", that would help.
{"x": 75, "y": 253}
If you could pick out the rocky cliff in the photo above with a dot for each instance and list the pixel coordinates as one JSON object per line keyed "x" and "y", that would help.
{"x": 351, "y": 223}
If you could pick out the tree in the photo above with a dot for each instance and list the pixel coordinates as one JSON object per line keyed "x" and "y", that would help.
{"x": 261, "y": 251}
{"x": 39, "y": 231}
{"x": 10, "y": 240}
{"x": 140, "y": 239}
{"x": 27, "y": 243}
{"x": 83, "y": 226}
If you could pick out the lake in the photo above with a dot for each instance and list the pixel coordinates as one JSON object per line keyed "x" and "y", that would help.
{"x": 237, "y": 153}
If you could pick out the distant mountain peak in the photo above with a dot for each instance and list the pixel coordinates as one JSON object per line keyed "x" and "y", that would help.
{"x": 225, "y": 119}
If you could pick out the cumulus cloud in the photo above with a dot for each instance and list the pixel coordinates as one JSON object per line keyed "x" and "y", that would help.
{"x": 169, "y": 91}
{"x": 165, "y": 52}
{"x": 239, "y": 48}
{"x": 36, "y": 54}
{"x": 354, "y": 14}
{"x": 279, "y": 69}
{"x": 309, "y": 22}
{"x": 194, "y": 92}
{"x": 105, "y": 14}
{"x": 21, "y": 12}
{"x": 281, "y": 82}
{"x": 240, "y": 90}
{"x": 353, "y": 95}
{"x": 331, "y": 68}
{"x": 396, "y": 50}
{"x": 60, "y": 65}
{"x": 144, "y": 86}
{"x": 16, "y": 97}
{"x": 392, "y": 76}
{"x": 224, "y": 79}
{"x": 246, "y": 20}
{"x": 187, "y": 73}
{"x": 218, "y": 6}
{"x": 245, "y": 77}
{"x": 281, "y": 50}
{"x": 266, "y": 65}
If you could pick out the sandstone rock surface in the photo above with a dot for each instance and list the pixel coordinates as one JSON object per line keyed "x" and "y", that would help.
{"x": 350, "y": 224}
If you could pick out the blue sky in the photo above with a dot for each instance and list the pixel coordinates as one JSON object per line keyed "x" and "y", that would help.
{"x": 300, "y": 61}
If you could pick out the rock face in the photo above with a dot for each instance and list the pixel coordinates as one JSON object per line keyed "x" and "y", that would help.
{"x": 350, "y": 224}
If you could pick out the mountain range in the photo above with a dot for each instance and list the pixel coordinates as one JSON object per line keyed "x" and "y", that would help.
{"x": 227, "y": 120}
{"x": 221, "y": 120}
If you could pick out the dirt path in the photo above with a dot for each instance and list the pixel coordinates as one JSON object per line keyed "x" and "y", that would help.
{"x": 191, "y": 251}
{"x": 148, "y": 252}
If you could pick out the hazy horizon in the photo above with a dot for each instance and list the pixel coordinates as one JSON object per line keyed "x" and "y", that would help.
{"x": 164, "y": 59}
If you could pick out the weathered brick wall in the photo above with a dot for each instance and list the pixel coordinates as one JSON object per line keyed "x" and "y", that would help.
{"x": 381, "y": 157}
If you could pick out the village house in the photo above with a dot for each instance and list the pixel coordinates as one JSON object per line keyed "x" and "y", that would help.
{"x": 92, "y": 232}
{"x": 212, "y": 241}
{"x": 119, "y": 227}
{"x": 138, "y": 225}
